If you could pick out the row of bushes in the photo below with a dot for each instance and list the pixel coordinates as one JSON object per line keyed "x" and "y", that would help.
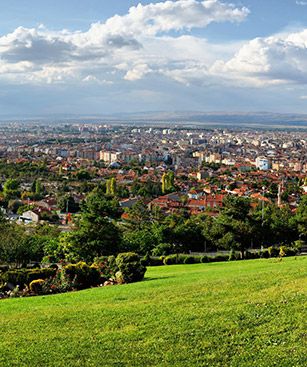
{"x": 23, "y": 277}
{"x": 233, "y": 255}
{"x": 182, "y": 259}
{"x": 125, "y": 268}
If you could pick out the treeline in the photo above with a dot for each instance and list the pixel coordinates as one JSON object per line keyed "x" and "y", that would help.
{"x": 99, "y": 230}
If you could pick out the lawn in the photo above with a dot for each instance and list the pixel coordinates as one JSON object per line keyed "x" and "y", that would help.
{"x": 248, "y": 313}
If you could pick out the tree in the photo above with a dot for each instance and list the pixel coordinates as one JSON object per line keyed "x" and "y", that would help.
{"x": 168, "y": 179}
{"x": 301, "y": 218}
{"x": 274, "y": 225}
{"x": 233, "y": 230}
{"x": 37, "y": 188}
{"x": 142, "y": 240}
{"x": 83, "y": 175}
{"x": 11, "y": 189}
{"x": 188, "y": 236}
{"x": 139, "y": 215}
{"x": 100, "y": 237}
{"x": 13, "y": 248}
{"x": 97, "y": 235}
{"x": 236, "y": 207}
{"x": 98, "y": 204}
{"x": 111, "y": 186}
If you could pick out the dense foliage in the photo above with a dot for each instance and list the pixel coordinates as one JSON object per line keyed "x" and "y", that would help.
{"x": 125, "y": 268}
{"x": 99, "y": 230}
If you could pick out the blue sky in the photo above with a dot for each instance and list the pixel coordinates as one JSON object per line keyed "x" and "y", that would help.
{"x": 100, "y": 57}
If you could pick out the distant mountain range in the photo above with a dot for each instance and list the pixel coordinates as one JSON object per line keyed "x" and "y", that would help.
{"x": 210, "y": 119}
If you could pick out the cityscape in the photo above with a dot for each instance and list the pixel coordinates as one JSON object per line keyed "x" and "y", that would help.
{"x": 153, "y": 183}
{"x": 208, "y": 164}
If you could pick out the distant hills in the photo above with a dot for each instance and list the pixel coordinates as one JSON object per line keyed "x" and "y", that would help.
{"x": 190, "y": 118}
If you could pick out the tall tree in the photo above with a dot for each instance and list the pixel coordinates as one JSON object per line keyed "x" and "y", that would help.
{"x": 301, "y": 218}
{"x": 168, "y": 182}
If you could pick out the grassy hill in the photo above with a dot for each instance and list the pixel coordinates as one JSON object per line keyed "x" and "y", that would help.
{"x": 248, "y": 313}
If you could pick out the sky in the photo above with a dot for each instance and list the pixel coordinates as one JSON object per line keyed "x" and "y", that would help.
{"x": 102, "y": 57}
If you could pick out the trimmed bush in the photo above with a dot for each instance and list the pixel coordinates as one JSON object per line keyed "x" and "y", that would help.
{"x": 264, "y": 254}
{"x": 82, "y": 275}
{"x": 170, "y": 260}
{"x": 130, "y": 268}
{"x": 36, "y": 286}
{"x": 287, "y": 251}
{"x": 251, "y": 255}
{"x": 145, "y": 260}
{"x": 40, "y": 274}
{"x": 273, "y": 251}
{"x": 205, "y": 259}
{"x": 189, "y": 260}
{"x": 23, "y": 277}
{"x": 220, "y": 257}
{"x": 155, "y": 261}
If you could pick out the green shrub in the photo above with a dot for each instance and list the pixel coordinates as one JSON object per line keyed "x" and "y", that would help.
{"x": 273, "y": 251}
{"x": 220, "y": 257}
{"x": 204, "y": 259}
{"x": 180, "y": 258}
{"x": 130, "y": 268}
{"x": 264, "y": 254}
{"x": 82, "y": 275}
{"x": 156, "y": 261}
{"x": 145, "y": 260}
{"x": 189, "y": 260}
{"x": 251, "y": 255}
{"x": 40, "y": 274}
{"x": 197, "y": 259}
{"x": 36, "y": 286}
{"x": 287, "y": 251}
{"x": 23, "y": 277}
{"x": 107, "y": 266}
{"x": 170, "y": 260}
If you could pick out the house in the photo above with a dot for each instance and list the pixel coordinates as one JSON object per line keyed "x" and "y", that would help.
{"x": 29, "y": 217}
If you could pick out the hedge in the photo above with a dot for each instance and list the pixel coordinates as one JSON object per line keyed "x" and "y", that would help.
{"x": 23, "y": 277}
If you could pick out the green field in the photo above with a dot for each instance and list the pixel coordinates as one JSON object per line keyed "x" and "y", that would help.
{"x": 248, "y": 313}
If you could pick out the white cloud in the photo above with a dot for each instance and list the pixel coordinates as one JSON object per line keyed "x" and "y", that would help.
{"x": 128, "y": 46}
{"x": 301, "y": 3}
{"x": 174, "y": 15}
{"x": 267, "y": 61}
{"x": 137, "y": 72}
{"x": 140, "y": 43}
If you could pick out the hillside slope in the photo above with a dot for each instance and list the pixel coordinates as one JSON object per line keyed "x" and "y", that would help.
{"x": 247, "y": 313}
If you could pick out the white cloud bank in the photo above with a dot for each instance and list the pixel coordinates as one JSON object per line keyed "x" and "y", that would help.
{"x": 272, "y": 60}
{"x": 154, "y": 39}
{"x": 40, "y": 55}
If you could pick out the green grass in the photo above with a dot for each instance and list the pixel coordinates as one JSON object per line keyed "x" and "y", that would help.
{"x": 248, "y": 313}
